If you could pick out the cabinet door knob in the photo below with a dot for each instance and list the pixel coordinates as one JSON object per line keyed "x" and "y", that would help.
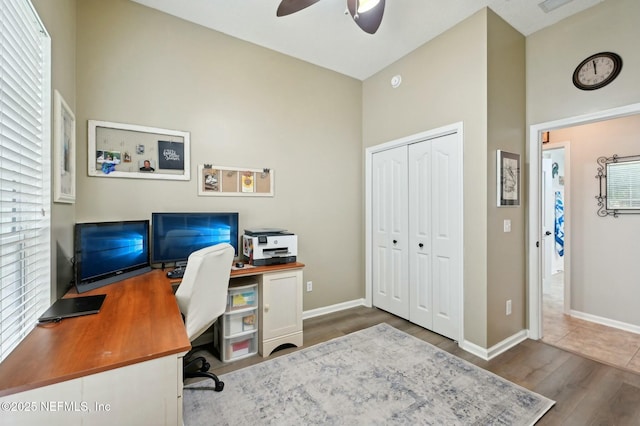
{"x": 420, "y": 245}
{"x": 395, "y": 241}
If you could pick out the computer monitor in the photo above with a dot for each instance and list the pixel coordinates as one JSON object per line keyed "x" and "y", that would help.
{"x": 174, "y": 236}
{"x": 107, "y": 252}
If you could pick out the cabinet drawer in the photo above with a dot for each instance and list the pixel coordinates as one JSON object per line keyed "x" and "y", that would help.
{"x": 239, "y": 347}
{"x": 240, "y": 322}
{"x": 242, "y": 297}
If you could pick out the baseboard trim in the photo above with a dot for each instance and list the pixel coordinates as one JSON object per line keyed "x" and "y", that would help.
{"x": 472, "y": 348}
{"x": 606, "y": 321}
{"x": 497, "y": 349}
{"x": 332, "y": 308}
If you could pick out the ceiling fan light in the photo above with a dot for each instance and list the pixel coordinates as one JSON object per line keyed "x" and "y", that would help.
{"x": 366, "y": 5}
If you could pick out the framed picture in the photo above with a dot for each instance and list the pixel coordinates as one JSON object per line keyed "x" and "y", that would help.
{"x": 139, "y": 152}
{"x": 508, "y": 177}
{"x": 64, "y": 155}
{"x": 234, "y": 181}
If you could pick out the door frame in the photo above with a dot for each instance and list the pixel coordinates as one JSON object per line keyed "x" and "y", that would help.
{"x": 455, "y": 128}
{"x": 534, "y": 232}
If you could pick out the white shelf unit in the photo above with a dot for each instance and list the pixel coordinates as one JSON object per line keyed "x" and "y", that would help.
{"x": 237, "y": 329}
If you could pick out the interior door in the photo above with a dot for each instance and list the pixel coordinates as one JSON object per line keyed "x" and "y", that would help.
{"x": 548, "y": 221}
{"x": 389, "y": 231}
{"x": 446, "y": 230}
{"x": 420, "y": 218}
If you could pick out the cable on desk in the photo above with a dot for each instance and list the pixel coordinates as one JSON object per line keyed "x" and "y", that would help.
{"x": 49, "y": 323}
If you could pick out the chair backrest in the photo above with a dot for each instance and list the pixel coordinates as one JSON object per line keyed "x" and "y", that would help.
{"x": 202, "y": 294}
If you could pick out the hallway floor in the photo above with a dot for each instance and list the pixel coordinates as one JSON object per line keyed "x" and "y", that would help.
{"x": 601, "y": 343}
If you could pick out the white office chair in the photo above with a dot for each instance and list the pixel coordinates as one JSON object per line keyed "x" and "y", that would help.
{"x": 202, "y": 298}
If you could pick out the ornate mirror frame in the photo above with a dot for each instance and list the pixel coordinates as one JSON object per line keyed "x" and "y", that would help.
{"x": 619, "y": 185}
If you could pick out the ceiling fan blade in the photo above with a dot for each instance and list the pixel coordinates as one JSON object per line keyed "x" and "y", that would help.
{"x": 370, "y": 20}
{"x": 287, "y": 7}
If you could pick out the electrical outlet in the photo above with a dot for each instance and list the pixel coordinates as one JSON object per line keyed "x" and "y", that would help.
{"x": 509, "y": 307}
{"x": 309, "y": 286}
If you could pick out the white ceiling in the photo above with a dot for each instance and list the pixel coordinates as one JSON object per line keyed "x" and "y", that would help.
{"x": 323, "y": 35}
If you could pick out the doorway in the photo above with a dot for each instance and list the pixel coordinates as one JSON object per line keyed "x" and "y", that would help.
{"x": 535, "y": 211}
{"x": 556, "y": 273}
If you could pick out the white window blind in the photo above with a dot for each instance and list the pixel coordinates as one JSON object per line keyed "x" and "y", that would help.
{"x": 623, "y": 185}
{"x": 25, "y": 108}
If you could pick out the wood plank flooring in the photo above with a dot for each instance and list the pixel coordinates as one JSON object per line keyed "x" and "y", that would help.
{"x": 586, "y": 392}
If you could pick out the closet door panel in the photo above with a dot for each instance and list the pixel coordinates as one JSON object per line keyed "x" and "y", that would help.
{"x": 389, "y": 224}
{"x": 447, "y": 237}
{"x": 420, "y": 256}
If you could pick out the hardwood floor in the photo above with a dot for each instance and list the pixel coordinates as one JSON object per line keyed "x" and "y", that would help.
{"x": 586, "y": 392}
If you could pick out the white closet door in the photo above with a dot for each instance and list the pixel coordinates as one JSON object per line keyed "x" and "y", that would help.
{"x": 420, "y": 258}
{"x": 389, "y": 231}
{"x": 446, "y": 230}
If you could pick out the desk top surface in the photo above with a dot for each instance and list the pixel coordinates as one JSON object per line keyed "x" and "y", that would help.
{"x": 139, "y": 320}
{"x": 249, "y": 270}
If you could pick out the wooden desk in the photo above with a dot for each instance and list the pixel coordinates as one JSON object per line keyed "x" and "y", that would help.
{"x": 258, "y": 270}
{"x": 128, "y": 358}
{"x": 124, "y": 364}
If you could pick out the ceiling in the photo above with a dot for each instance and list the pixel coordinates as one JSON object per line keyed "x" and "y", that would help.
{"x": 323, "y": 35}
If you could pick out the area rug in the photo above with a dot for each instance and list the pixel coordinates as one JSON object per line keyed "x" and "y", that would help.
{"x": 376, "y": 376}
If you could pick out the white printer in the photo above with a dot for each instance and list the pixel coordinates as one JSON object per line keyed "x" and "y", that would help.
{"x": 269, "y": 246}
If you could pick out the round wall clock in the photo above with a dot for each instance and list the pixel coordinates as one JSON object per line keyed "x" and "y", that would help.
{"x": 597, "y": 71}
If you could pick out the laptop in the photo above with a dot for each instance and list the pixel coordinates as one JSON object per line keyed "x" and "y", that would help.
{"x": 73, "y": 307}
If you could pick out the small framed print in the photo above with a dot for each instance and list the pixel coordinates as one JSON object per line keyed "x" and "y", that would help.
{"x": 64, "y": 154}
{"x": 233, "y": 181}
{"x": 508, "y": 178}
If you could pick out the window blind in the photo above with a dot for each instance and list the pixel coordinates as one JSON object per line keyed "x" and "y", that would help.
{"x": 623, "y": 185}
{"x": 25, "y": 108}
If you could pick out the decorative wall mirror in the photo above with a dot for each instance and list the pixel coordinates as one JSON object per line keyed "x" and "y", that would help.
{"x": 619, "y": 179}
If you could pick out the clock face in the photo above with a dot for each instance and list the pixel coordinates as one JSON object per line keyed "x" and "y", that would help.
{"x": 597, "y": 71}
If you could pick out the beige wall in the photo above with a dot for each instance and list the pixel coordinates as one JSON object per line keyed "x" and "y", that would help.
{"x": 59, "y": 18}
{"x": 443, "y": 82}
{"x": 250, "y": 107}
{"x": 245, "y": 106}
{"x": 554, "y": 52}
{"x": 552, "y": 55}
{"x": 603, "y": 250}
{"x": 506, "y": 257}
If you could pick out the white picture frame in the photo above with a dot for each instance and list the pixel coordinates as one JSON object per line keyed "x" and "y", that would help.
{"x": 117, "y": 150}
{"x": 223, "y": 181}
{"x": 64, "y": 154}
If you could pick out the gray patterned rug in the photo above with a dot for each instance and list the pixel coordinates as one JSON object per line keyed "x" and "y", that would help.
{"x": 376, "y": 376}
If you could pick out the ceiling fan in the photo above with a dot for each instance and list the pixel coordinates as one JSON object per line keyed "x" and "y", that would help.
{"x": 366, "y": 13}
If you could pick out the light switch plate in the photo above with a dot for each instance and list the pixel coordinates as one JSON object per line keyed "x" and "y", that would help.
{"x": 507, "y": 225}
